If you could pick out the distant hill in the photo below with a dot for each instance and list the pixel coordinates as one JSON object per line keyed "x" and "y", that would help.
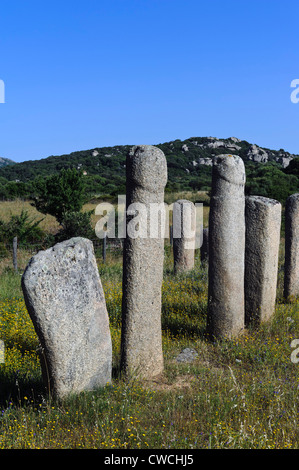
{"x": 189, "y": 166}
{"x": 183, "y": 155}
{"x": 6, "y": 161}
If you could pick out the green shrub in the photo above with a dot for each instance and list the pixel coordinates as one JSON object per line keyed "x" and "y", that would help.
{"x": 22, "y": 226}
{"x": 3, "y": 251}
{"x": 75, "y": 224}
{"x": 60, "y": 193}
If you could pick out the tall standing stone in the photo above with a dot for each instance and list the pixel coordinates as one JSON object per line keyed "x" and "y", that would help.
{"x": 226, "y": 248}
{"x": 141, "y": 342}
{"x": 184, "y": 228}
{"x": 65, "y": 300}
{"x": 291, "y": 269}
{"x": 263, "y": 222}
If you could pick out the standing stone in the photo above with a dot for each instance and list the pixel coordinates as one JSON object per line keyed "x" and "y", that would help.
{"x": 204, "y": 249}
{"x": 263, "y": 221}
{"x": 184, "y": 223}
{"x": 141, "y": 342}
{"x": 227, "y": 248}
{"x": 65, "y": 300}
{"x": 291, "y": 269}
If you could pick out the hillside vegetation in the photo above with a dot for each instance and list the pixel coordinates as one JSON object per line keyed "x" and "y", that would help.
{"x": 5, "y": 162}
{"x": 269, "y": 172}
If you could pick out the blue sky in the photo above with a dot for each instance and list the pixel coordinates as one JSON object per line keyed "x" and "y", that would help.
{"x": 94, "y": 73}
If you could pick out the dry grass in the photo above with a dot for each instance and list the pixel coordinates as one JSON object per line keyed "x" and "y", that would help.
{"x": 8, "y": 208}
{"x": 49, "y": 223}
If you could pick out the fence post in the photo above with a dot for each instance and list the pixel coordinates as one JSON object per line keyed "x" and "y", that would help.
{"x": 15, "y": 253}
{"x": 104, "y": 248}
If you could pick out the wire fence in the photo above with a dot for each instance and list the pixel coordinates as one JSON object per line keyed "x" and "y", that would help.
{"x": 24, "y": 251}
{"x": 20, "y": 252}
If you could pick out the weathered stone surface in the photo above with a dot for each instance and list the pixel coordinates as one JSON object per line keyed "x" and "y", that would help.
{"x": 184, "y": 227}
{"x": 141, "y": 343}
{"x": 204, "y": 249}
{"x": 226, "y": 247}
{"x": 263, "y": 221}
{"x": 187, "y": 355}
{"x": 291, "y": 269}
{"x": 65, "y": 300}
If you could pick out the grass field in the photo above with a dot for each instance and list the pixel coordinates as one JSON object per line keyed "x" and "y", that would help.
{"x": 240, "y": 393}
{"x": 49, "y": 223}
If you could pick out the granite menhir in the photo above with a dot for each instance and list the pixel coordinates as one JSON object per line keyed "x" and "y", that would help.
{"x": 226, "y": 248}
{"x": 65, "y": 300}
{"x": 143, "y": 256}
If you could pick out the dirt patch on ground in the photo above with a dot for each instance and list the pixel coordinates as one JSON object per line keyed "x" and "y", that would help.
{"x": 162, "y": 383}
{"x": 185, "y": 373}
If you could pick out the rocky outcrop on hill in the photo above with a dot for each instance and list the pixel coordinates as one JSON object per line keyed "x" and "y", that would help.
{"x": 208, "y": 147}
{"x": 5, "y": 161}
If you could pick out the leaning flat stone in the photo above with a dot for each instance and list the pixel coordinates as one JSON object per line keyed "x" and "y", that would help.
{"x": 65, "y": 300}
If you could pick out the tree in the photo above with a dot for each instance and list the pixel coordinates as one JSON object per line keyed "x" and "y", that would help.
{"x": 293, "y": 167}
{"x": 60, "y": 193}
{"x": 270, "y": 181}
{"x": 22, "y": 226}
{"x": 75, "y": 224}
